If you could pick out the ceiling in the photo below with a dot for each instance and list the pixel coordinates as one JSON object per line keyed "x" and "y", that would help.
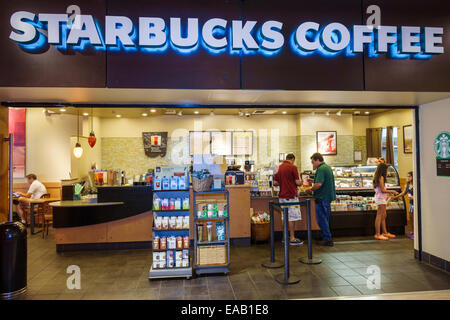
{"x": 146, "y": 97}
{"x": 108, "y": 112}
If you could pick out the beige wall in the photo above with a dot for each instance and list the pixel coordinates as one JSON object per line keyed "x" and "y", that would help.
{"x": 48, "y": 144}
{"x": 396, "y": 118}
{"x": 435, "y": 200}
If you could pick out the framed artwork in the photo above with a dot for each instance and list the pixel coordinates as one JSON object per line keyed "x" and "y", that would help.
{"x": 326, "y": 142}
{"x": 407, "y": 139}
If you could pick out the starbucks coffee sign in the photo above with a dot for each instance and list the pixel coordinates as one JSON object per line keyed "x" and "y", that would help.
{"x": 442, "y": 150}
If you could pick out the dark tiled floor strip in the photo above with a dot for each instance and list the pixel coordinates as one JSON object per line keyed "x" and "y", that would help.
{"x": 124, "y": 274}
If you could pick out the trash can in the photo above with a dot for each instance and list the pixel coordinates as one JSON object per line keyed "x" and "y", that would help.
{"x": 13, "y": 260}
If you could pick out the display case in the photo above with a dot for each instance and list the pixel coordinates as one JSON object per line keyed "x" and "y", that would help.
{"x": 354, "y": 211}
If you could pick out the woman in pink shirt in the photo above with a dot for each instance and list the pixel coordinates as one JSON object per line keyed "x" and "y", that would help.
{"x": 381, "y": 197}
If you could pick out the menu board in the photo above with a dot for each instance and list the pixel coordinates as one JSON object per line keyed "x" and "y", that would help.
{"x": 155, "y": 143}
{"x": 242, "y": 143}
{"x": 199, "y": 142}
{"x": 221, "y": 143}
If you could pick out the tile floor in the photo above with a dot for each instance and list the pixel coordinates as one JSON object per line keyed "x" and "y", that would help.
{"x": 124, "y": 274}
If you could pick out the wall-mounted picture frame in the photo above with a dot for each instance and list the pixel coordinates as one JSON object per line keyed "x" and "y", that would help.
{"x": 326, "y": 142}
{"x": 407, "y": 139}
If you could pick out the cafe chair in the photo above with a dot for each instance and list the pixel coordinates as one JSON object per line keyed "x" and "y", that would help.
{"x": 45, "y": 217}
{"x": 36, "y": 208}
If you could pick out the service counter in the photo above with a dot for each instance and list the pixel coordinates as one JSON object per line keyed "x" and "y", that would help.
{"x": 261, "y": 204}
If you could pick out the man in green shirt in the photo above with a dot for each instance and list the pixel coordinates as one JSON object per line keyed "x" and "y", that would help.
{"x": 324, "y": 193}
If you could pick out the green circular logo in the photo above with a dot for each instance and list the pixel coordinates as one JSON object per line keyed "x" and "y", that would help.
{"x": 442, "y": 145}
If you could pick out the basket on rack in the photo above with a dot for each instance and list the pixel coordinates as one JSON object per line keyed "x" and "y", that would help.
{"x": 202, "y": 185}
{"x": 211, "y": 255}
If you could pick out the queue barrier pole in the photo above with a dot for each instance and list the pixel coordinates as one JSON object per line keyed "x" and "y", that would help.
{"x": 272, "y": 264}
{"x": 286, "y": 278}
{"x": 309, "y": 259}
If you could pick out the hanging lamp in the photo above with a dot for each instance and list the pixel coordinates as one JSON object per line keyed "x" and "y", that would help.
{"x": 92, "y": 139}
{"x": 78, "y": 150}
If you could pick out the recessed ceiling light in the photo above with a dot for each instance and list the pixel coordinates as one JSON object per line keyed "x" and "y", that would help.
{"x": 62, "y": 110}
{"x": 152, "y": 110}
{"x": 367, "y": 112}
{"x": 284, "y": 112}
{"x": 339, "y": 113}
{"x": 85, "y": 114}
{"x": 118, "y": 115}
{"x": 180, "y": 113}
{"x": 196, "y": 112}
{"x": 357, "y": 112}
{"x": 144, "y": 114}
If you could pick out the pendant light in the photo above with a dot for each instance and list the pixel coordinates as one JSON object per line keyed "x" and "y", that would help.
{"x": 78, "y": 150}
{"x": 92, "y": 139}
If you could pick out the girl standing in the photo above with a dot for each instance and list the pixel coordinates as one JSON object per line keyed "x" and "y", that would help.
{"x": 410, "y": 191}
{"x": 381, "y": 196}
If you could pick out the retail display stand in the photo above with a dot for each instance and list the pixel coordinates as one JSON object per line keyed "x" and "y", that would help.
{"x": 171, "y": 268}
{"x": 211, "y": 248}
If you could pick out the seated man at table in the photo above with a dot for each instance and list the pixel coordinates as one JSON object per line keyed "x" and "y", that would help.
{"x": 35, "y": 191}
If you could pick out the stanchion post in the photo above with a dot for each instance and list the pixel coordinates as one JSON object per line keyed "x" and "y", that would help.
{"x": 286, "y": 278}
{"x": 309, "y": 259}
{"x": 272, "y": 264}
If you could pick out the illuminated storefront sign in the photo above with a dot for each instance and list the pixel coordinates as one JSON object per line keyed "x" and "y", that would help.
{"x": 32, "y": 32}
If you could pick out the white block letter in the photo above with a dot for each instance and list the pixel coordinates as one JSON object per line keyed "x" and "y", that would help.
{"x": 192, "y": 33}
{"x": 112, "y": 31}
{"x": 53, "y": 20}
{"x": 433, "y": 36}
{"x": 386, "y": 35}
{"x": 87, "y": 31}
{"x": 271, "y": 33}
{"x": 344, "y": 38}
{"x": 27, "y": 32}
{"x": 361, "y": 36}
{"x": 300, "y": 36}
{"x": 207, "y": 33}
{"x": 409, "y": 39}
{"x": 242, "y": 34}
{"x": 152, "y": 26}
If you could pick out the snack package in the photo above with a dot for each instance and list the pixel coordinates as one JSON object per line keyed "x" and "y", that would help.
{"x": 177, "y": 204}
{"x": 156, "y": 203}
{"x": 179, "y": 243}
{"x": 186, "y": 254}
{"x": 165, "y": 223}
{"x": 181, "y": 183}
{"x": 165, "y": 183}
{"x": 163, "y": 243}
{"x": 170, "y": 260}
{"x": 179, "y": 224}
{"x": 185, "y": 263}
{"x": 171, "y": 243}
{"x": 156, "y": 259}
{"x": 178, "y": 263}
{"x": 157, "y": 184}
{"x": 186, "y": 242}
{"x": 158, "y": 223}
{"x": 171, "y": 204}
{"x": 185, "y": 222}
{"x": 178, "y": 255}
{"x": 174, "y": 183}
{"x": 156, "y": 243}
{"x": 220, "y": 231}
{"x": 186, "y": 203}
{"x": 172, "y": 223}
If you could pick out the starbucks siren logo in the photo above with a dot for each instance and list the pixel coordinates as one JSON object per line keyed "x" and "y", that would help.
{"x": 442, "y": 145}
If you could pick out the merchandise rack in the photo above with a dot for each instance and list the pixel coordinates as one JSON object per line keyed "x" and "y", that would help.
{"x": 212, "y": 268}
{"x": 180, "y": 272}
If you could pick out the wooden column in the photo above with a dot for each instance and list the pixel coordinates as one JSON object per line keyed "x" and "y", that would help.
{"x": 4, "y": 204}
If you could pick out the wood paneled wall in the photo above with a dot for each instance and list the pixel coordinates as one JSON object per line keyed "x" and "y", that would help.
{"x": 54, "y": 188}
{"x": 4, "y": 204}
